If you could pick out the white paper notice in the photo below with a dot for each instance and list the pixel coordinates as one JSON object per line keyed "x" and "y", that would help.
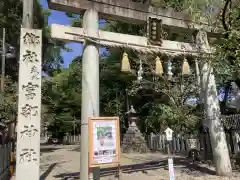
{"x": 104, "y": 141}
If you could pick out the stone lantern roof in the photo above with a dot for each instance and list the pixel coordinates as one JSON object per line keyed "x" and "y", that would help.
{"x": 132, "y": 110}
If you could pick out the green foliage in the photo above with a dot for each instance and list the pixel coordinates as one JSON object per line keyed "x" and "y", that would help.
{"x": 52, "y": 49}
{"x": 204, "y": 10}
{"x": 162, "y": 103}
{"x": 76, "y": 19}
{"x": 8, "y": 101}
{"x": 11, "y": 20}
{"x": 228, "y": 51}
{"x": 159, "y": 103}
{"x": 62, "y": 99}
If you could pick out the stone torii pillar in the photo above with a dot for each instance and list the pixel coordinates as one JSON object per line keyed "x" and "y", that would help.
{"x": 212, "y": 109}
{"x": 90, "y": 85}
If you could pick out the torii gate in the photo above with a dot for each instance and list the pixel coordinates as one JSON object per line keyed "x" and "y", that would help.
{"x": 134, "y": 13}
{"x": 125, "y": 11}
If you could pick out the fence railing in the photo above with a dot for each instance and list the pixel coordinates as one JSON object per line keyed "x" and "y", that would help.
{"x": 72, "y": 139}
{"x": 5, "y": 161}
{"x": 181, "y": 144}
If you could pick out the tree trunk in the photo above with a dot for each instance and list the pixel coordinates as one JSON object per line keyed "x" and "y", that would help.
{"x": 211, "y": 106}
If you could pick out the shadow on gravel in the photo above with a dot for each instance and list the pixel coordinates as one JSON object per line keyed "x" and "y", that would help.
{"x": 182, "y": 164}
{"x": 48, "y": 149}
{"x": 48, "y": 171}
{"x": 77, "y": 149}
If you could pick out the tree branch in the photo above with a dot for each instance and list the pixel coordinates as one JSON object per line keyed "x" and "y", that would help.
{"x": 225, "y": 26}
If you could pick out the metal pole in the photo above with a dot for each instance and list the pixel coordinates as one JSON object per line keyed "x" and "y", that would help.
{"x": 3, "y": 60}
{"x": 74, "y": 123}
{"x": 90, "y": 85}
{"x": 168, "y": 149}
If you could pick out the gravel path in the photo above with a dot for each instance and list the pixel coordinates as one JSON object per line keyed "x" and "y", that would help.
{"x": 63, "y": 163}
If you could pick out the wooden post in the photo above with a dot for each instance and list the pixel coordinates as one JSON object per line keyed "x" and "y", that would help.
{"x": 12, "y": 160}
{"x": 3, "y": 60}
{"x": 119, "y": 172}
{"x": 90, "y": 173}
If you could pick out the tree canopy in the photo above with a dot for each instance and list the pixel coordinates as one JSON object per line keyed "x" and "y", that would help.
{"x": 159, "y": 102}
{"x": 11, "y": 20}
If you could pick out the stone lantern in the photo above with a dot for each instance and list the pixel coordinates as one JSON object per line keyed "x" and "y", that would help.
{"x": 132, "y": 117}
{"x": 133, "y": 140}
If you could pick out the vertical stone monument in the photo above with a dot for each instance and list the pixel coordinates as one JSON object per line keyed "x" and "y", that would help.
{"x": 29, "y": 105}
{"x": 133, "y": 140}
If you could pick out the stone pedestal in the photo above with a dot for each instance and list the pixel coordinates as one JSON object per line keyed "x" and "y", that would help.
{"x": 133, "y": 140}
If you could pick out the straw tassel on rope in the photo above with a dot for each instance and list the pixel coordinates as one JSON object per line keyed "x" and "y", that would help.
{"x": 159, "y": 67}
{"x": 185, "y": 67}
{"x": 125, "y": 63}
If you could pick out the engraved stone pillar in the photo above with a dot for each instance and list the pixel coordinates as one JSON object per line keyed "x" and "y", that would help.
{"x": 29, "y": 105}
{"x": 133, "y": 140}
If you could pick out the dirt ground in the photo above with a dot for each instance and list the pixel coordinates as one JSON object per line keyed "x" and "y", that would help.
{"x": 63, "y": 163}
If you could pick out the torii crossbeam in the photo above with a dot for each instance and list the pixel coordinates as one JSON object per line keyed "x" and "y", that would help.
{"x": 134, "y": 13}
{"x": 137, "y": 43}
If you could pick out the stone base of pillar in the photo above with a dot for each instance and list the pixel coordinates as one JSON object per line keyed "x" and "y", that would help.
{"x": 133, "y": 141}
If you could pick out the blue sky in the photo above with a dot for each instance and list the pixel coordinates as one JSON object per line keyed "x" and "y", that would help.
{"x": 58, "y": 17}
